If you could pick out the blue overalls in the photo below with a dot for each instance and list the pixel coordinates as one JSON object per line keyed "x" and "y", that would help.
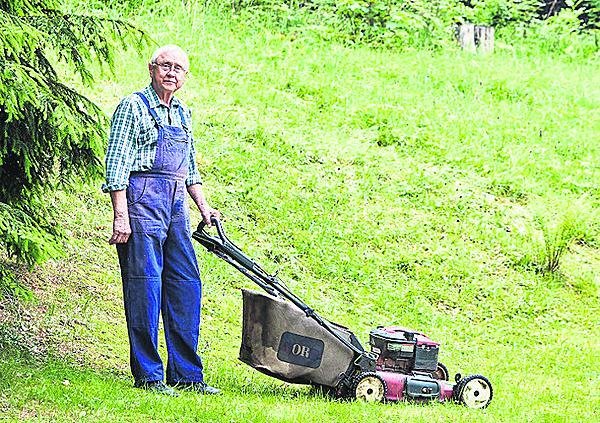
{"x": 158, "y": 265}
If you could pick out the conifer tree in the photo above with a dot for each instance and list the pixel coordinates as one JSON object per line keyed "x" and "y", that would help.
{"x": 49, "y": 133}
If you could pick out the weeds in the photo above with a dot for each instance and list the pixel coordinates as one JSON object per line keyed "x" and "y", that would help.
{"x": 11, "y": 286}
{"x": 556, "y": 242}
{"x": 558, "y": 233}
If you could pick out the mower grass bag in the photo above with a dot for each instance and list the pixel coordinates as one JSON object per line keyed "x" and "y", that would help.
{"x": 280, "y": 340}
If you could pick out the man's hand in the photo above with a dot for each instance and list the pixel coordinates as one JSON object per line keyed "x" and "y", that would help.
{"x": 121, "y": 226}
{"x": 121, "y": 230}
{"x": 206, "y": 211}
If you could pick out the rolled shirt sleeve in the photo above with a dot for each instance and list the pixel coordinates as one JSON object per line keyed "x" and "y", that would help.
{"x": 120, "y": 153}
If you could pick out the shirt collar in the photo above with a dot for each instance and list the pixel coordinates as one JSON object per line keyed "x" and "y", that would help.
{"x": 154, "y": 101}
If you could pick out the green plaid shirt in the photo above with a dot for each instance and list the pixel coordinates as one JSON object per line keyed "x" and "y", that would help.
{"x": 133, "y": 137}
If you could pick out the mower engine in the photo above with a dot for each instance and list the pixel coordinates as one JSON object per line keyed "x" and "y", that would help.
{"x": 401, "y": 350}
{"x": 404, "y": 351}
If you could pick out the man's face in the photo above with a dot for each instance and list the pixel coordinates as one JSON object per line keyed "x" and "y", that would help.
{"x": 168, "y": 71}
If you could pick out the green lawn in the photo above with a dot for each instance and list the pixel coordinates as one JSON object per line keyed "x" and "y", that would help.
{"x": 420, "y": 189}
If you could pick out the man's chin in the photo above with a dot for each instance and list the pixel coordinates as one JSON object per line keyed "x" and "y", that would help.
{"x": 169, "y": 86}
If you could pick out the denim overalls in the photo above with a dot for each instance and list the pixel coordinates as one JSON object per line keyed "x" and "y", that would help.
{"x": 158, "y": 265}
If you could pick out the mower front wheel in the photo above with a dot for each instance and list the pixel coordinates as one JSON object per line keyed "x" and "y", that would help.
{"x": 369, "y": 387}
{"x": 474, "y": 391}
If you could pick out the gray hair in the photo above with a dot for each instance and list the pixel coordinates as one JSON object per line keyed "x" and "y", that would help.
{"x": 168, "y": 47}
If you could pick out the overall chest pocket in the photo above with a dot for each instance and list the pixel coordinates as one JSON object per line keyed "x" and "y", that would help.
{"x": 173, "y": 150}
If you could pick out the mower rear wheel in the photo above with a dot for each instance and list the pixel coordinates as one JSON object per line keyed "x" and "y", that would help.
{"x": 441, "y": 373}
{"x": 369, "y": 387}
{"x": 474, "y": 391}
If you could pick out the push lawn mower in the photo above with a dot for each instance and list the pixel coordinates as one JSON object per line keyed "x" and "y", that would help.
{"x": 286, "y": 339}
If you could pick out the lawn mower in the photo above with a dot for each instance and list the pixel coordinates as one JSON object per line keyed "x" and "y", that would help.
{"x": 286, "y": 339}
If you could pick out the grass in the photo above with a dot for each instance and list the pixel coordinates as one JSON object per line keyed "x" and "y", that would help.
{"x": 386, "y": 189}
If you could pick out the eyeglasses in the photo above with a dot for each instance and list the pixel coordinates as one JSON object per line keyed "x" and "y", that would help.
{"x": 168, "y": 67}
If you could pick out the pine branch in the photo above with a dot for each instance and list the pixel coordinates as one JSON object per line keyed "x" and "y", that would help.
{"x": 49, "y": 133}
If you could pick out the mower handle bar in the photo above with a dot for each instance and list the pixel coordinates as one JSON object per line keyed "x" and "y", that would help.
{"x": 225, "y": 249}
{"x": 229, "y": 246}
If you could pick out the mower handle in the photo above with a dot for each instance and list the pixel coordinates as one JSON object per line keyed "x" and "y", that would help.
{"x": 213, "y": 220}
{"x": 217, "y": 224}
{"x": 221, "y": 243}
{"x": 228, "y": 251}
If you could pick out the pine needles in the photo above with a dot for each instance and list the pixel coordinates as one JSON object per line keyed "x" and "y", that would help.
{"x": 50, "y": 134}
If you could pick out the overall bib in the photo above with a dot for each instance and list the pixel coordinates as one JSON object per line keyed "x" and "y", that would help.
{"x": 158, "y": 265}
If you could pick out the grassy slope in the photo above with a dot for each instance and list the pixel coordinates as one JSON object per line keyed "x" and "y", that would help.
{"x": 386, "y": 189}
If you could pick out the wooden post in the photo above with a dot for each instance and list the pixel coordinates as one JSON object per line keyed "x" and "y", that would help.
{"x": 466, "y": 36}
{"x": 484, "y": 38}
{"x": 476, "y": 37}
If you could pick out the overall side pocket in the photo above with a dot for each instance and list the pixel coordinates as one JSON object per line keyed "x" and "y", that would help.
{"x": 135, "y": 190}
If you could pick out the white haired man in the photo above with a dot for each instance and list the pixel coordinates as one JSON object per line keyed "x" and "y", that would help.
{"x": 150, "y": 165}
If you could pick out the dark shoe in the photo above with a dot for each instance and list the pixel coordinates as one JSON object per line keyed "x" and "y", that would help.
{"x": 198, "y": 387}
{"x": 158, "y": 387}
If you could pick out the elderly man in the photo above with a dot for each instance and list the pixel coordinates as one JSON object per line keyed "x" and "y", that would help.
{"x": 150, "y": 165}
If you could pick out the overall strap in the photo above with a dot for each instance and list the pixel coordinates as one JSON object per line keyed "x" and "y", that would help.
{"x": 151, "y": 110}
{"x": 182, "y": 116}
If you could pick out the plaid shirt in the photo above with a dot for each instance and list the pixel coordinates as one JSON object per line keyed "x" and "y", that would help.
{"x": 133, "y": 137}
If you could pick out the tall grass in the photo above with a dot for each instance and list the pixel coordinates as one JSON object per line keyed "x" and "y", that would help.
{"x": 386, "y": 188}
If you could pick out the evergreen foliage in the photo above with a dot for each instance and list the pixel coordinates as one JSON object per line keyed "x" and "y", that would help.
{"x": 49, "y": 132}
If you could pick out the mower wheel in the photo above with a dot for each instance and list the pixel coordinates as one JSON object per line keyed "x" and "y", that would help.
{"x": 441, "y": 373}
{"x": 369, "y": 387}
{"x": 474, "y": 391}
